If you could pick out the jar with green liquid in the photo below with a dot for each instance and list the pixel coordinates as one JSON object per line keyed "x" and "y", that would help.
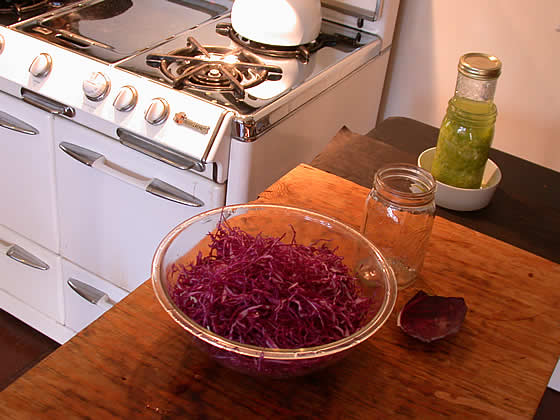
{"x": 467, "y": 130}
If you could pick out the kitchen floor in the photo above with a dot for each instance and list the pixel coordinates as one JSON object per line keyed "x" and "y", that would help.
{"x": 21, "y": 347}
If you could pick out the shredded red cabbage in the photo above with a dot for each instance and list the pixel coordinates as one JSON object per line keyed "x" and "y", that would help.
{"x": 262, "y": 291}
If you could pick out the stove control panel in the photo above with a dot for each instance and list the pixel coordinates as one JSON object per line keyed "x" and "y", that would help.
{"x": 106, "y": 99}
{"x": 157, "y": 112}
{"x": 41, "y": 65}
{"x": 97, "y": 86}
{"x": 126, "y": 99}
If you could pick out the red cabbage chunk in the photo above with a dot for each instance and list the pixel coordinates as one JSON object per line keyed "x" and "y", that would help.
{"x": 429, "y": 318}
{"x": 262, "y": 291}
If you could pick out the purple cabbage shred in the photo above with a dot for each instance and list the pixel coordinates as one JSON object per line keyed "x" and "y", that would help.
{"x": 262, "y": 291}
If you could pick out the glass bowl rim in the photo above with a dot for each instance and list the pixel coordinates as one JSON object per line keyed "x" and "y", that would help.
{"x": 202, "y": 333}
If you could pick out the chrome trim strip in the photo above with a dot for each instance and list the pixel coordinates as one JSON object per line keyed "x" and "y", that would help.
{"x": 249, "y": 130}
{"x": 47, "y": 104}
{"x": 214, "y": 135}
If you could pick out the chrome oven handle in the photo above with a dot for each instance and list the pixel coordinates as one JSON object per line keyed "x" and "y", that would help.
{"x": 91, "y": 294}
{"x": 162, "y": 189}
{"x": 17, "y": 253}
{"x": 154, "y": 186}
{"x": 47, "y": 104}
{"x": 12, "y": 123}
{"x": 143, "y": 145}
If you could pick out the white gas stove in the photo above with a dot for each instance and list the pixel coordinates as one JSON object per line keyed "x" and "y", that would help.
{"x": 116, "y": 132}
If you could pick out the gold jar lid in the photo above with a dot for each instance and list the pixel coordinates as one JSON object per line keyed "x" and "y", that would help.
{"x": 480, "y": 66}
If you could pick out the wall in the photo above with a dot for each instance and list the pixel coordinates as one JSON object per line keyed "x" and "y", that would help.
{"x": 430, "y": 37}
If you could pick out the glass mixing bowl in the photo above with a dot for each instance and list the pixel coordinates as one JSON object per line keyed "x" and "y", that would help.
{"x": 375, "y": 279}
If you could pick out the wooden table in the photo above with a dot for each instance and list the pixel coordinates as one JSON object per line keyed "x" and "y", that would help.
{"x": 135, "y": 362}
{"x": 524, "y": 211}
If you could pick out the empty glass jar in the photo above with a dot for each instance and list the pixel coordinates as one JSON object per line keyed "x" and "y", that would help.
{"x": 399, "y": 215}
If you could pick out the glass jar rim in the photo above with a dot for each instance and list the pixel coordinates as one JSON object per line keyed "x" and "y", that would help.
{"x": 421, "y": 187}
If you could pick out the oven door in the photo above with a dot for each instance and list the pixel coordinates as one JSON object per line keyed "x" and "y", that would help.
{"x": 27, "y": 172}
{"x": 30, "y": 285}
{"x": 82, "y": 304}
{"x": 116, "y": 204}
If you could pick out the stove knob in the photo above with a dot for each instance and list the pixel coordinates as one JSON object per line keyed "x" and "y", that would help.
{"x": 126, "y": 99}
{"x": 2, "y": 43}
{"x": 41, "y": 65}
{"x": 96, "y": 87}
{"x": 157, "y": 112}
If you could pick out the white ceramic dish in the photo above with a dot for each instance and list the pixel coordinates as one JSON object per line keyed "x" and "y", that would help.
{"x": 463, "y": 199}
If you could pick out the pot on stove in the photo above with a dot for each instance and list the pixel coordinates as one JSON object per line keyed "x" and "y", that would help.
{"x": 277, "y": 22}
{"x": 294, "y": 72}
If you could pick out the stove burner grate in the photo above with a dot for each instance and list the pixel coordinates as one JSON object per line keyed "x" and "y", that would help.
{"x": 300, "y": 52}
{"x": 213, "y": 68}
